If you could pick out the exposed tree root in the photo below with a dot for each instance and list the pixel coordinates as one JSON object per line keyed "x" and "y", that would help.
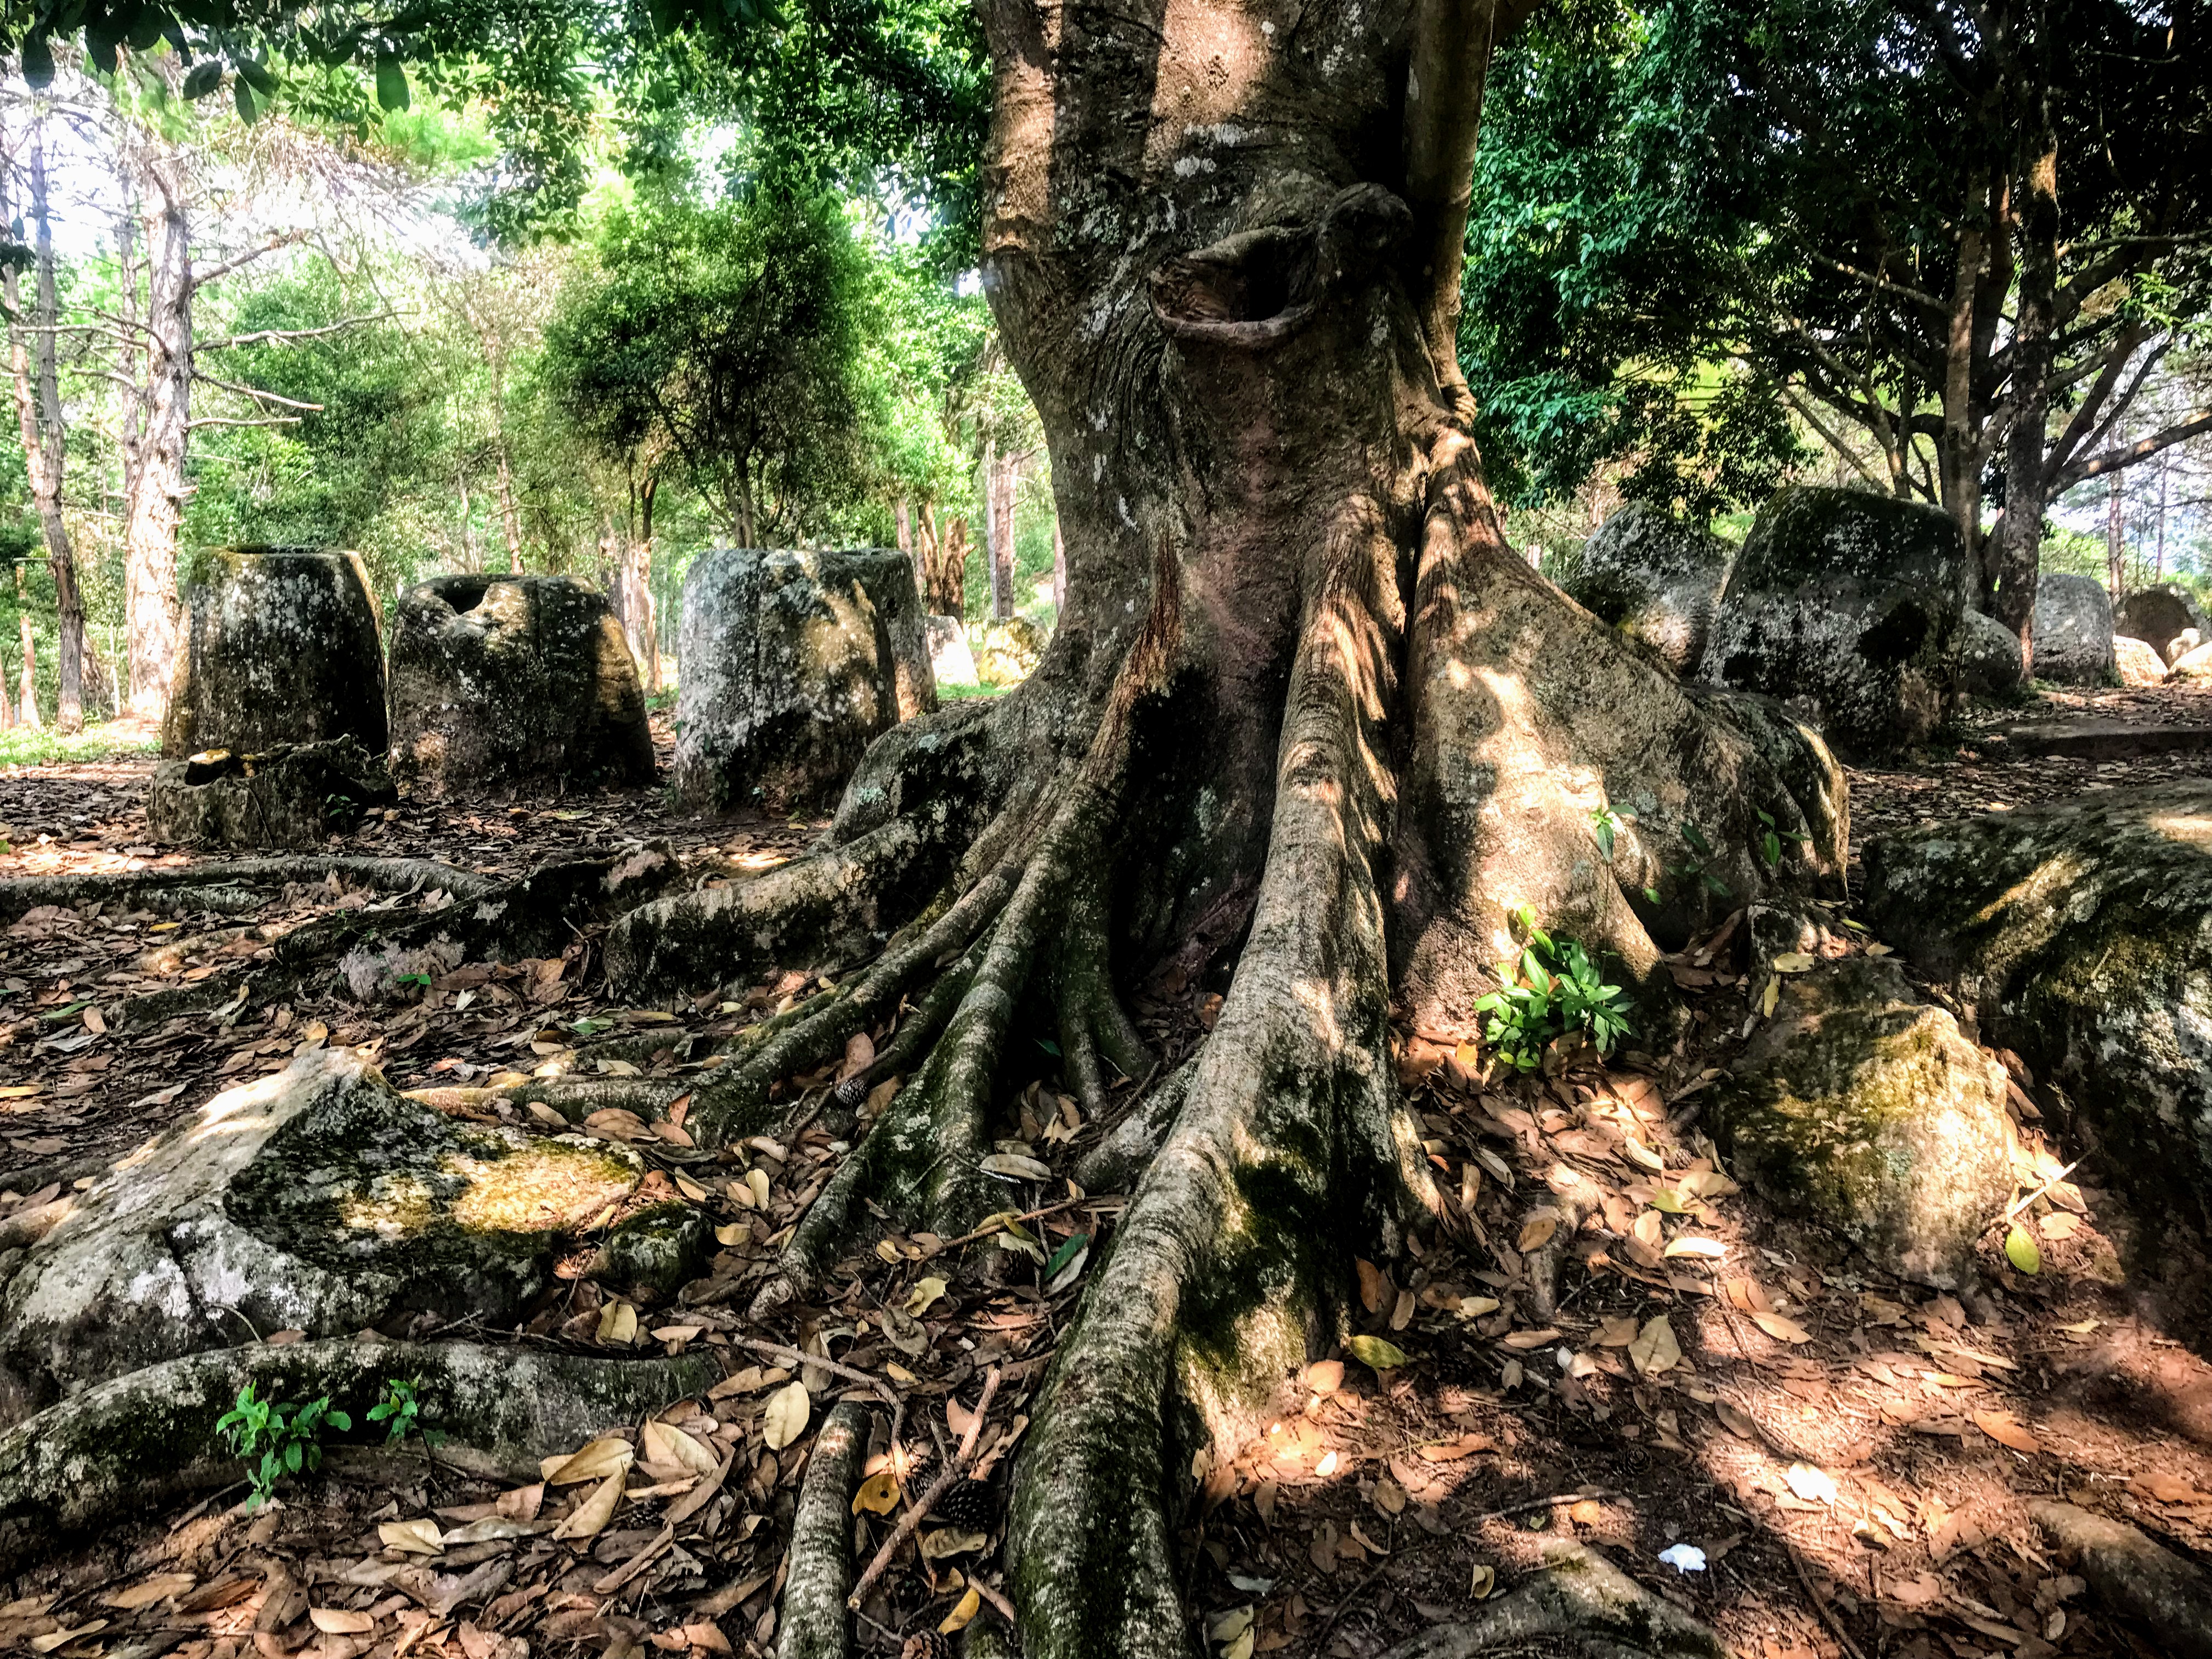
{"x": 1577, "y": 1606}
{"x": 372, "y": 951}
{"x": 1130, "y": 1145}
{"x": 236, "y": 884}
{"x": 815, "y": 1624}
{"x": 1224, "y": 1270}
{"x": 150, "y": 1434}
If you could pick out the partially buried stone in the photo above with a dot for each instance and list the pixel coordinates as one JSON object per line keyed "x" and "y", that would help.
{"x": 2154, "y": 615}
{"x": 2073, "y": 631}
{"x": 506, "y": 683}
{"x": 2081, "y": 931}
{"x": 1655, "y": 578}
{"x": 293, "y": 795}
{"x": 1989, "y": 658}
{"x": 314, "y": 1199}
{"x": 951, "y": 661}
{"x": 1007, "y": 653}
{"x": 2137, "y": 663}
{"x": 281, "y": 646}
{"x": 1863, "y": 1109}
{"x": 1847, "y": 605}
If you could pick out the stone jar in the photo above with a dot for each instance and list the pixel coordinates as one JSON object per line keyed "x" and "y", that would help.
{"x": 794, "y": 663}
{"x": 280, "y": 647}
{"x": 503, "y": 683}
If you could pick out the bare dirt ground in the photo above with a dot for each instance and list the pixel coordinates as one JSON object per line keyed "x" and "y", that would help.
{"x": 1852, "y": 1455}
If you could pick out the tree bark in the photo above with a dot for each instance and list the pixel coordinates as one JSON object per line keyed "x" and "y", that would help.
{"x": 2027, "y": 483}
{"x": 2116, "y": 546}
{"x": 157, "y": 488}
{"x": 998, "y": 527}
{"x": 27, "y": 676}
{"x": 45, "y": 445}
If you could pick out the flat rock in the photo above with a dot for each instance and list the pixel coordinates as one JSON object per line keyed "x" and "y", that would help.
{"x": 2073, "y": 631}
{"x": 2101, "y": 739}
{"x": 1846, "y": 605}
{"x": 1654, "y": 577}
{"x": 507, "y": 684}
{"x": 281, "y": 646}
{"x": 2081, "y": 931}
{"x": 794, "y": 663}
{"x": 292, "y": 795}
{"x": 314, "y": 1199}
{"x": 1862, "y": 1108}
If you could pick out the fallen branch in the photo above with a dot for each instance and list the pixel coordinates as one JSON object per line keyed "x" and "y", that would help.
{"x": 911, "y": 1520}
{"x": 1820, "y": 1603}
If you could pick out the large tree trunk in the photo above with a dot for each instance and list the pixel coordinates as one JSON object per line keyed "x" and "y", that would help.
{"x": 1306, "y": 718}
{"x": 45, "y": 444}
{"x": 157, "y": 489}
{"x": 2026, "y": 475}
{"x": 27, "y": 676}
{"x": 1305, "y": 711}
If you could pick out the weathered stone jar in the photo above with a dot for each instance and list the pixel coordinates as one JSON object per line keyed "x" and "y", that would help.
{"x": 1654, "y": 577}
{"x": 506, "y": 683}
{"x": 794, "y": 663}
{"x": 1846, "y": 605}
{"x": 280, "y": 647}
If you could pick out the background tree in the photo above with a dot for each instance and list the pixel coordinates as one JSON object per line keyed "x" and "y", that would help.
{"x": 729, "y": 333}
{"x": 1692, "y": 214}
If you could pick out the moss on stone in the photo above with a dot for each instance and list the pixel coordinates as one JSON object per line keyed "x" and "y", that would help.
{"x": 2083, "y": 933}
{"x": 1865, "y": 1109}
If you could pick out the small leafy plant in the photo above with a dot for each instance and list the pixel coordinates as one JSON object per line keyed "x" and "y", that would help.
{"x": 1771, "y": 837}
{"x": 276, "y": 1440}
{"x": 1553, "y": 987}
{"x": 1605, "y": 823}
{"x": 400, "y": 1411}
{"x": 1695, "y": 868}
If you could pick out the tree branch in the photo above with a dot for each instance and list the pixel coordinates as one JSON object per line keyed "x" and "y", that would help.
{"x": 198, "y": 421}
{"x": 263, "y": 336}
{"x": 1805, "y": 411}
{"x": 200, "y": 279}
{"x": 2111, "y": 460}
{"x": 256, "y": 393}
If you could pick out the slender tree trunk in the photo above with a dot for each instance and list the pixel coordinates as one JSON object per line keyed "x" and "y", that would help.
{"x": 1961, "y": 458}
{"x": 1058, "y": 568}
{"x": 158, "y": 489}
{"x": 509, "y": 517}
{"x": 998, "y": 552}
{"x": 45, "y": 445}
{"x": 2026, "y": 483}
{"x": 26, "y": 678}
{"x": 2116, "y": 546}
{"x": 2157, "y": 564}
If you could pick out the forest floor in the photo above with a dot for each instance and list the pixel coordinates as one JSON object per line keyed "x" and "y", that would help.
{"x": 1852, "y": 1455}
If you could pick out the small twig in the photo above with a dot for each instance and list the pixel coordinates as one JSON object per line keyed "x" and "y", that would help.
{"x": 1004, "y": 1608}
{"x": 1820, "y": 1603}
{"x": 996, "y": 1222}
{"x": 953, "y": 1470}
{"x": 2022, "y": 1202}
{"x": 226, "y": 1308}
{"x": 1536, "y": 1504}
{"x": 792, "y": 1356}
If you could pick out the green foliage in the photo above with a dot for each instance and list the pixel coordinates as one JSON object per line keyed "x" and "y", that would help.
{"x": 275, "y": 1440}
{"x": 400, "y": 1411}
{"x": 728, "y": 334}
{"x": 1552, "y": 988}
{"x": 1606, "y": 824}
{"x": 1682, "y": 207}
{"x": 1771, "y": 837}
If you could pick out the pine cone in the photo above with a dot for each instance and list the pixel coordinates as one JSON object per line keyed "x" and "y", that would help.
{"x": 927, "y": 1645}
{"x": 970, "y": 1506}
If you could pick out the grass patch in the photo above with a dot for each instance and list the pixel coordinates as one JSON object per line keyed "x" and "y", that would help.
{"x": 953, "y": 692}
{"x": 47, "y": 747}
